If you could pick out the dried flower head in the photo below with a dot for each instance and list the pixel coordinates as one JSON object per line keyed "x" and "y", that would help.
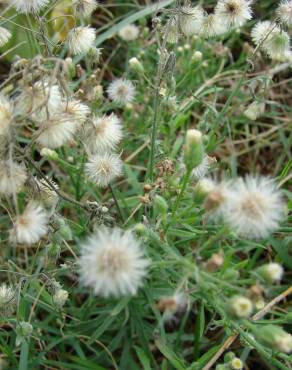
{"x": 31, "y": 225}
{"x": 77, "y": 110}
{"x": 41, "y": 191}
{"x": 103, "y": 168}
{"x": 202, "y": 169}
{"x": 57, "y": 130}
{"x": 121, "y": 91}
{"x": 129, "y": 32}
{"x": 171, "y": 31}
{"x": 233, "y": 12}
{"x": 262, "y": 31}
{"x": 254, "y": 207}
{"x": 5, "y": 36}
{"x": 170, "y": 306}
{"x": 81, "y": 40}
{"x": 6, "y": 113}
{"x": 191, "y": 19}
{"x": 104, "y": 134}
{"x": 112, "y": 262}
{"x": 284, "y": 12}
{"x": 212, "y": 25}
{"x": 277, "y": 46}
{"x": 12, "y": 177}
{"x": 39, "y": 100}
{"x": 241, "y": 307}
{"x": 7, "y": 299}
{"x": 29, "y": 6}
{"x": 85, "y": 7}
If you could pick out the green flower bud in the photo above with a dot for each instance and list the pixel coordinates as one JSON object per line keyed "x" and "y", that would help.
{"x": 23, "y": 330}
{"x": 60, "y": 297}
{"x": 160, "y": 204}
{"x": 274, "y": 336}
{"x": 194, "y": 149}
{"x": 136, "y": 65}
{"x": 229, "y": 356}
{"x": 49, "y": 153}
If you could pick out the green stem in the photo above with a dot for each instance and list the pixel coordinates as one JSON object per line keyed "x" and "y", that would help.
{"x": 179, "y": 197}
{"x": 154, "y": 133}
{"x": 116, "y": 203}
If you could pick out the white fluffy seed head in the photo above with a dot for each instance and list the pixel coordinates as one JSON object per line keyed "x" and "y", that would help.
{"x": 202, "y": 169}
{"x": 234, "y": 13}
{"x": 85, "y": 7}
{"x": 39, "y": 100}
{"x": 278, "y": 45}
{"x": 81, "y": 40}
{"x": 5, "y": 36}
{"x": 103, "y": 168}
{"x": 129, "y": 32}
{"x": 262, "y": 32}
{"x": 254, "y": 207}
{"x": 12, "y": 177}
{"x": 112, "y": 263}
{"x": 77, "y": 111}
{"x": 57, "y": 130}
{"x": 121, "y": 91}
{"x": 6, "y": 113}
{"x": 284, "y": 12}
{"x": 241, "y": 307}
{"x": 31, "y": 225}
{"x": 212, "y": 25}
{"x": 29, "y": 6}
{"x": 104, "y": 133}
{"x": 191, "y": 19}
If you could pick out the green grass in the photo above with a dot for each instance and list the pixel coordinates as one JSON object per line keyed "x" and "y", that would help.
{"x": 91, "y": 332}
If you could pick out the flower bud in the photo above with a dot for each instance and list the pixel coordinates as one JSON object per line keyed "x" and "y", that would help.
{"x": 60, "y": 297}
{"x": 236, "y": 364}
{"x": 49, "y": 154}
{"x": 70, "y": 68}
{"x": 23, "y": 330}
{"x": 194, "y": 149}
{"x": 136, "y": 65}
{"x": 229, "y": 356}
{"x": 254, "y": 110}
{"x": 271, "y": 272}
{"x": 221, "y": 367}
{"x": 140, "y": 229}
{"x": 197, "y": 56}
{"x": 274, "y": 336}
{"x": 240, "y": 307}
{"x": 160, "y": 205}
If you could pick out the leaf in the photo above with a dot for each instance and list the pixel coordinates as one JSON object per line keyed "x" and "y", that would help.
{"x": 23, "y": 355}
{"x": 199, "y": 331}
{"x": 170, "y": 355}
{"x": 143, "y": 358}
{"x": 284, "y": 250}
